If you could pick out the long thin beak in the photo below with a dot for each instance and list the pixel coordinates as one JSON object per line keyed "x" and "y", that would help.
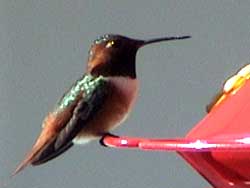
{"x": 145, "y": 42}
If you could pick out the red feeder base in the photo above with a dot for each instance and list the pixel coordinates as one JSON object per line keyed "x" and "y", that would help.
{"x": 218, "y": 147}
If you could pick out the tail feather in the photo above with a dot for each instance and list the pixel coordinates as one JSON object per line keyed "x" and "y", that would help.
{"x": 23, "y": 164}
{"x": 43, "y": 151}
{"x": 28, "y": 159}
{"x": 42, "y": 141}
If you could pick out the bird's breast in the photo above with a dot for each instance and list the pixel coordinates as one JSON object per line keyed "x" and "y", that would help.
{"x": 119, "y": 102}
{"x": 125, "y": 90}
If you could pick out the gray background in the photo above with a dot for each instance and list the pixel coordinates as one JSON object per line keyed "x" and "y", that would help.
{"x": 43, "y": 49}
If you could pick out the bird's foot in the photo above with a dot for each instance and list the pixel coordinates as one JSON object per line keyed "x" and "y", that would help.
{"x": 101, "y": 141}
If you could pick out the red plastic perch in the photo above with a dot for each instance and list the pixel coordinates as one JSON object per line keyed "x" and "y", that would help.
{"x": 178, "y": 144}
{"x": 218, "y": 147}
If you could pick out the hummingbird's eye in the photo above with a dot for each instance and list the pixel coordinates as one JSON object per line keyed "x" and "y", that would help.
{"x": 113, "y": 44}
{"x": 110, "y": 44}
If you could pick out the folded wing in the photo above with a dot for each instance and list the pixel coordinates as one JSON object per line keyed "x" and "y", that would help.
{"x": 77, "y": 106}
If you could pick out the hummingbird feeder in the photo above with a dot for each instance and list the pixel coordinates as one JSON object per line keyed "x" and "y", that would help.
{"x": 218, "y": 147}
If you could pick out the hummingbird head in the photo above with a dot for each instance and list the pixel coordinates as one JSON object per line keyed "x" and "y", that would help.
{"x": 114, "y": 55}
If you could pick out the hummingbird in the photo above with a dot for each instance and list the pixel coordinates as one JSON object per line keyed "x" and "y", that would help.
{"x": 96, "y": 103}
